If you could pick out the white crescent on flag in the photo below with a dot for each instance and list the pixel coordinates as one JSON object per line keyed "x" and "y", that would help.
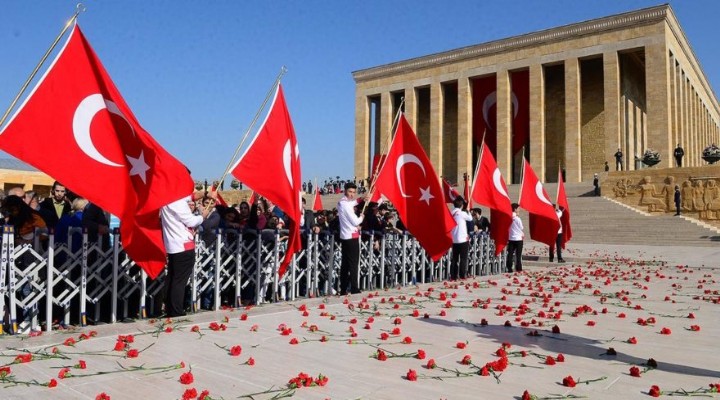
{"x": 401, "y": 161}
{"x": 84, "y": 114}
{"x": 498, "y": 183}
{"x": 539, "y": 193}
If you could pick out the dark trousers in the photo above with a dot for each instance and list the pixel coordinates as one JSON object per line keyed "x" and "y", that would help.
{"x": 677, "y": 207}
{"x": 459, "y": 259}
{"x": 349, "y": 267}
{"x": 558, "y": 246}
{"x": 514, "y": 251}
{"x": 618, "y": 165}
{"x": 179, "y": 269}
{"x": 678, "y": 160}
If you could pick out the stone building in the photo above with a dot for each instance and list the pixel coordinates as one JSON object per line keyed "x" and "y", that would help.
{"x": 15, "y": 173}
{"x": 564, "y": 97}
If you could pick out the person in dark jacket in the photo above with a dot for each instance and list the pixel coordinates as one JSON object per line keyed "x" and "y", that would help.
{"x": 55, "y": 206}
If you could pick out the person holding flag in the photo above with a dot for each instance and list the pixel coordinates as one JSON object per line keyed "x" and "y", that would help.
{"x": 178, "y": 228}
{"x": 559, "y": 241}
{"x": 349, "y": 241}
{"x": 460, "y": 247}
{"x": 516, "y": 236}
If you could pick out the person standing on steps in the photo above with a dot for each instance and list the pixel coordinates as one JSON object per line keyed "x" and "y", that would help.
{"x": 678, "y": 199}
{"x": 618, "y": 160}
{"x": 679, "y": 153}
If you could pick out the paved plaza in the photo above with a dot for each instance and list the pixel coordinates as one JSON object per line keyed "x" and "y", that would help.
{"x": 606, "y": 315}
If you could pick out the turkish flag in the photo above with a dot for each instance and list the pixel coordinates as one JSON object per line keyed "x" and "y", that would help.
{"x": 562, "y": 202}
{"x": 544, "y": 223}
{"x": 76, "y": 127}
{"x": 317, "y": 202}
{"x": 521, "y": 109}
{"x": 408, "y": 180}
{"x": 220, "y": 199}
{"x": 466, "y": 191}
{"x": 490, "y": 190}
{"x": 271, "y": 166}
{"x": 449, "y": 191}
{"x": 377, "y": 162}
{"x": 485, "y": 111}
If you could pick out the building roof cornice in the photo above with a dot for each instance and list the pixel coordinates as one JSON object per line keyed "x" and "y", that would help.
{"x": 614, "y": 22}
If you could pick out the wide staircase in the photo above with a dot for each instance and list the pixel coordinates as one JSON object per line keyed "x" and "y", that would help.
{"x": 599, "y": 220}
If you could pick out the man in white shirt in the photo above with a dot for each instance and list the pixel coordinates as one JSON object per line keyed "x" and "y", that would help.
{"x": 178, "y": 226}
{"x": 349, "y": 240}
{"x": 460, "y": 237}
{"x": 558, "y": 241}
{"x": 515, "y": 242}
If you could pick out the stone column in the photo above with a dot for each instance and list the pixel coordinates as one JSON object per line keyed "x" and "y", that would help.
{"x": 465, "y": 136}
{"x": 537, "y": 120}
{"x": 386, "y": 120}
{"x": 436, "y": 124}
{"x": 362, "y": 135}
{"x": 504, "y": 125}
{"x": 657, "y": 90}
{"x": 612, "y": 106}
{"x": 572, "y": 120}
{"x": 410, "y": 105}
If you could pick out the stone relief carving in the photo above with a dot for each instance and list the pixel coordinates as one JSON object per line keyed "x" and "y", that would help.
{"x": 701, "y": 195}
{"x": 653, "y": 191}
{"x": 649, "y": 196}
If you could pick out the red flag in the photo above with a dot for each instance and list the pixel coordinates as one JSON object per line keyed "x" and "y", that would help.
{"x": 252, "y": 198}
{"x": 449, "y": 191}
{"x": 271, "y": 166}
{"x": 409, "y": 181}
{"x": 562, "y": 202}
{"x": 490, "y": 190}
{"x": 544, "y": 223}
{"x": 485, "y": 111}
{"x": 76, "y": 127}
{"x": 521, "y": 109}
{"x": 378, "y": 161}
{"x": 317, "y": 203}
{"x": 220, "y": 199}
{"x": 466, "y": 191}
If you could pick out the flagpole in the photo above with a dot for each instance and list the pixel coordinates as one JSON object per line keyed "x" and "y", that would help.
{"x": 79, "y": 8}
{"x": 314, "y": 195}
{"x": 380, "y": 167}
{"x": 283, "y": 70}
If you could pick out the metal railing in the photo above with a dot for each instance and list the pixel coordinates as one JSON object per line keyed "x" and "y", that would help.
{"x": 53, "y": 283}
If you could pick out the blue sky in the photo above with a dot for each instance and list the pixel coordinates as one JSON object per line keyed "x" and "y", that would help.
{"x": 194, "y": 73}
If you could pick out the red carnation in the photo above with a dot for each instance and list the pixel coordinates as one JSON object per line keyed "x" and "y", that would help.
{"x": 420, "y": 354}
{"x": 189, "y": 394}
{"x": 654, "y": 391}
{"x": 411, "y": 375}
{"x": 187, "y": 378}
{"x": 635, "y": 371}
{"x": 235, "y": 351}
{"x": 569, "y": 381}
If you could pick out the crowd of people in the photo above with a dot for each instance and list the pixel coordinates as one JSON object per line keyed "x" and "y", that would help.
{"x": 34, "y": 218}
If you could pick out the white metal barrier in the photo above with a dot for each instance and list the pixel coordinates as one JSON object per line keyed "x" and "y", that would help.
{"x": 42, "y": 285}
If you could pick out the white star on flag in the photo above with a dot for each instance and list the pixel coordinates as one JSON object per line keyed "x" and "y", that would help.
{"x": 139, "y": 166}
{"x": 425, "y": 195}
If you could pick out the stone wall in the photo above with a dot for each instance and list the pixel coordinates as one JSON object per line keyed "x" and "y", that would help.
{"x": 652, "y": 190}
{"x": 593, "y": 118}
{"x": 554, "y": 120}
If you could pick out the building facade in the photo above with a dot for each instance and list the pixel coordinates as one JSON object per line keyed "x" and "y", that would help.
{"x": 567, "y": 97}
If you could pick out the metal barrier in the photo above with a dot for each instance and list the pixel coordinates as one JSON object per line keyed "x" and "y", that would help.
{"x": 53, "y": 283}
